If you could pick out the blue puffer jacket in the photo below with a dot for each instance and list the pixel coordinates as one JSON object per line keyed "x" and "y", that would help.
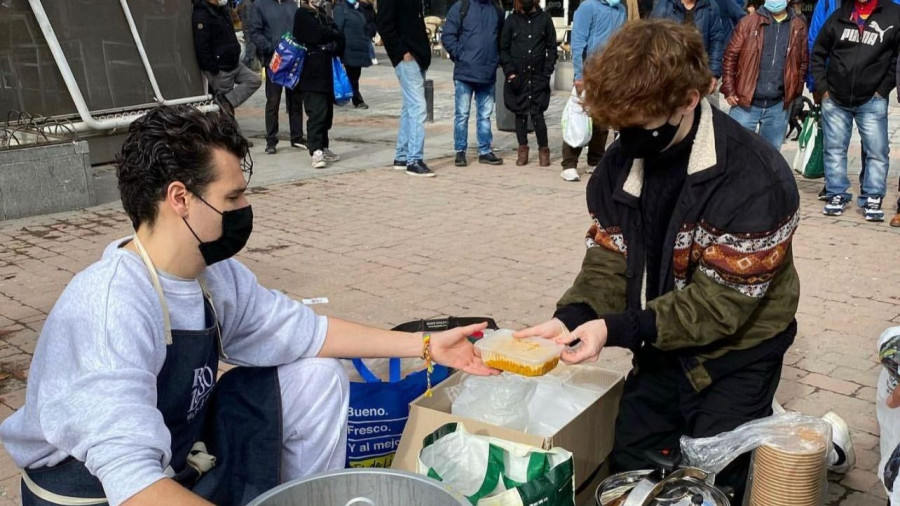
{"x": 708, "y": 21}
{"x": 593, "y": 24}
{"x": 473, "y": 45}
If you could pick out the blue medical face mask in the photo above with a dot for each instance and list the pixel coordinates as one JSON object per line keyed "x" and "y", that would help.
{"x": 352, "y": 2}
{"x": 775, "y": 5}
{"x": 613, "y": 3}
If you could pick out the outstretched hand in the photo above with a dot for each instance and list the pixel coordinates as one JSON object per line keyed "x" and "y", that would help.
{"x": 592, "y": 334}
{"x": 453, "y": 349}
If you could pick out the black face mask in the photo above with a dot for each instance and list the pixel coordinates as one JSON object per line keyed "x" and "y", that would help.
{"x": 639, "y": 142}
{"x": 236, "y": 228}
{"x": 527, "y": 5}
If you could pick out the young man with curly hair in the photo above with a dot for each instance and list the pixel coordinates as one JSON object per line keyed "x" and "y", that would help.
{"x": 124, "y": 404}
{"x": 689, "y": 261}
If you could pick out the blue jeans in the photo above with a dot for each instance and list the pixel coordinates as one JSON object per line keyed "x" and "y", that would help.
{"x": 837, "y": 123}
{"x": 411, "y": 136}
{"x": 772, "y": 121}
{"x": 484, "y": 104}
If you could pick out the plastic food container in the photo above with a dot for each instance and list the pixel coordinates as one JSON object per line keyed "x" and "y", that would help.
{"x": 533, "y": 356}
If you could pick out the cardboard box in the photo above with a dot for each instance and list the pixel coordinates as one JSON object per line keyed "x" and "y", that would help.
{"x": 589, "y": 436}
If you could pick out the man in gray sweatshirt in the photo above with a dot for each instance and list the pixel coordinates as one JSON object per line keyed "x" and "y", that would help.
{"x": 124, "y": 404}
{"x": 268, "y": 21}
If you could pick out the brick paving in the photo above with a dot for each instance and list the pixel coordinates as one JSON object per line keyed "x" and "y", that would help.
{"x": 496, "y": 241}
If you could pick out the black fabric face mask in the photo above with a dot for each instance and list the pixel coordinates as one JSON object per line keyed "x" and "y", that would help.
{"x": 638, "y": 142}
{"x": 237, "y": 225}
{"x": 527, "y": 5}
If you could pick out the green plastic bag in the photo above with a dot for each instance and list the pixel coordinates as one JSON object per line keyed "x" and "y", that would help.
{"x": 810, "y": 160}
{"x": 495, "y": 472}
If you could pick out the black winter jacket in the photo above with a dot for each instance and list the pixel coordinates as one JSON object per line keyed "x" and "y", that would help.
{"x": 851, "y": 66}
{"x": 269, "y": 21}
{"x": 351, "y": 21}
{"x": 215, "y": 43}
{"x": 528, "y": 52}
{"x": 402, "y": 28}
{"x": 323, "y": 41}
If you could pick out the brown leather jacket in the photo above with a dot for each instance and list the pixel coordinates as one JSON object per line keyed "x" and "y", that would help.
{"x": 740, "y": 65}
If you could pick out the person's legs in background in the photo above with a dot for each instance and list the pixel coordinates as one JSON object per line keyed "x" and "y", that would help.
{"x": 748, "y": 117}
{"x": 871, "y": 119}
{"x": 245, "y": 82}
{"x": 273, "y": 102}
{"x": 836, "y": 124}
{"x": 412, "y": 82}
{"x": 401, "y": 151}
{"x": 540, "y": 131}
{"x": 522, "y": 138}
{"x": 353, "y": 74}
{"x": 462, "y": 97}
{"x": 484, "y": 106}
{"x": 773, "y": 123}
{"x": 295, "y": 118}
{"x": 316, "y": 105}
{"x": 597, "y": 146}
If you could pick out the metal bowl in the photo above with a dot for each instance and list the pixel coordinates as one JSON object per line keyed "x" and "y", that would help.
{"x": 361, "y": 487}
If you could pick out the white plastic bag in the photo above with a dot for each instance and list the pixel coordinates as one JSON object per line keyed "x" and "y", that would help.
{"x": 785, "y": 431}
{"x": 889, "y": 418}
{"x": 499, "y": 400}
{"x": 576, "y": 124}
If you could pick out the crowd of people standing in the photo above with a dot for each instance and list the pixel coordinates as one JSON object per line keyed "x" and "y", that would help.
{"x": 760, "y": 55}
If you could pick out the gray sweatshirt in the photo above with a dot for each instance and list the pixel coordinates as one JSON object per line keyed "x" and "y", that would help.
{"x": 92, "y": 384}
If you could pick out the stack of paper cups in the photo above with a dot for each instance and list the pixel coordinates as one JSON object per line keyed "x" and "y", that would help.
{"x": 790, "y": 478}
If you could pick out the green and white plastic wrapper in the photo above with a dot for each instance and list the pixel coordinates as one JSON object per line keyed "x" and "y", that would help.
{"x": 495, "y": 472}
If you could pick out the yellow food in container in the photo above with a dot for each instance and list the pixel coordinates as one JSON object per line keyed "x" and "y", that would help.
{"x": 533, "y": 356}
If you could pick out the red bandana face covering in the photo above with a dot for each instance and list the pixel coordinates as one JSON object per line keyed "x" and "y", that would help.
{"x": 862, "y": 11}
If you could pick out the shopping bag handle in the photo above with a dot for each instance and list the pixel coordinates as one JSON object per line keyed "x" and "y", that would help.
{"x": 369, "y": 377}
{"x": 432, "y": 325}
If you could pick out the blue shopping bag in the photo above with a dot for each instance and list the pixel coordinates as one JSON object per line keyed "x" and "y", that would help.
{"x": 287, "y": 63}
{"x": 343, "y": 91}
{"x": 379, "y": 409}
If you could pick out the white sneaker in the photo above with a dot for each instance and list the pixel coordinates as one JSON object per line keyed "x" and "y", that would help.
{"x": 331, "y": 156}
{"x": 842, "y": 457}
{"x": 374, "y": 61}
{"x": 318, "y": 160}
{"x": 589, "y": 169}
{"x": 570, "y": 175}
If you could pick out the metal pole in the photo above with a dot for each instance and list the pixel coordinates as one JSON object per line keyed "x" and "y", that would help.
{"x": 429, "y": 101}
{"x": 149, "y": 69}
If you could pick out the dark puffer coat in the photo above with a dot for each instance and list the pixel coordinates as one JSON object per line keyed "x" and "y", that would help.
{"x": 528, "y": 52}
{"x": 351, "y": 21}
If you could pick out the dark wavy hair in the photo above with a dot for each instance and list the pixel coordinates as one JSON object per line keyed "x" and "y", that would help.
{"x": 168, "y": 144}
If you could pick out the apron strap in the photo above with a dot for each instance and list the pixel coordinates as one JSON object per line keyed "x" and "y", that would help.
{"x": 167, "y": 323}
{"x": 154, "y": 278}
{"x": 62, "y": 500}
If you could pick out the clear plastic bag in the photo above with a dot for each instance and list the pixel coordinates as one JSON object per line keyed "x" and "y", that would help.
{"x": 499, "y": 400}
{"x": 535, "y": 405}
{"x": 789, "y": 432}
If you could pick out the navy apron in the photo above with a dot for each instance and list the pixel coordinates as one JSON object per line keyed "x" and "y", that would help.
{"x": 226, "y": 434}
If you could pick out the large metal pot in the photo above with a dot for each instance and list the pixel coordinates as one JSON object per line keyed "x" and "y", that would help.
{"x": 686, "y": 486}
{"x": 361, "y": 487}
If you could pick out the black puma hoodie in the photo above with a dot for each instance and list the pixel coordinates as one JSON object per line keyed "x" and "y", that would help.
{"x": 852, "y": 65}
